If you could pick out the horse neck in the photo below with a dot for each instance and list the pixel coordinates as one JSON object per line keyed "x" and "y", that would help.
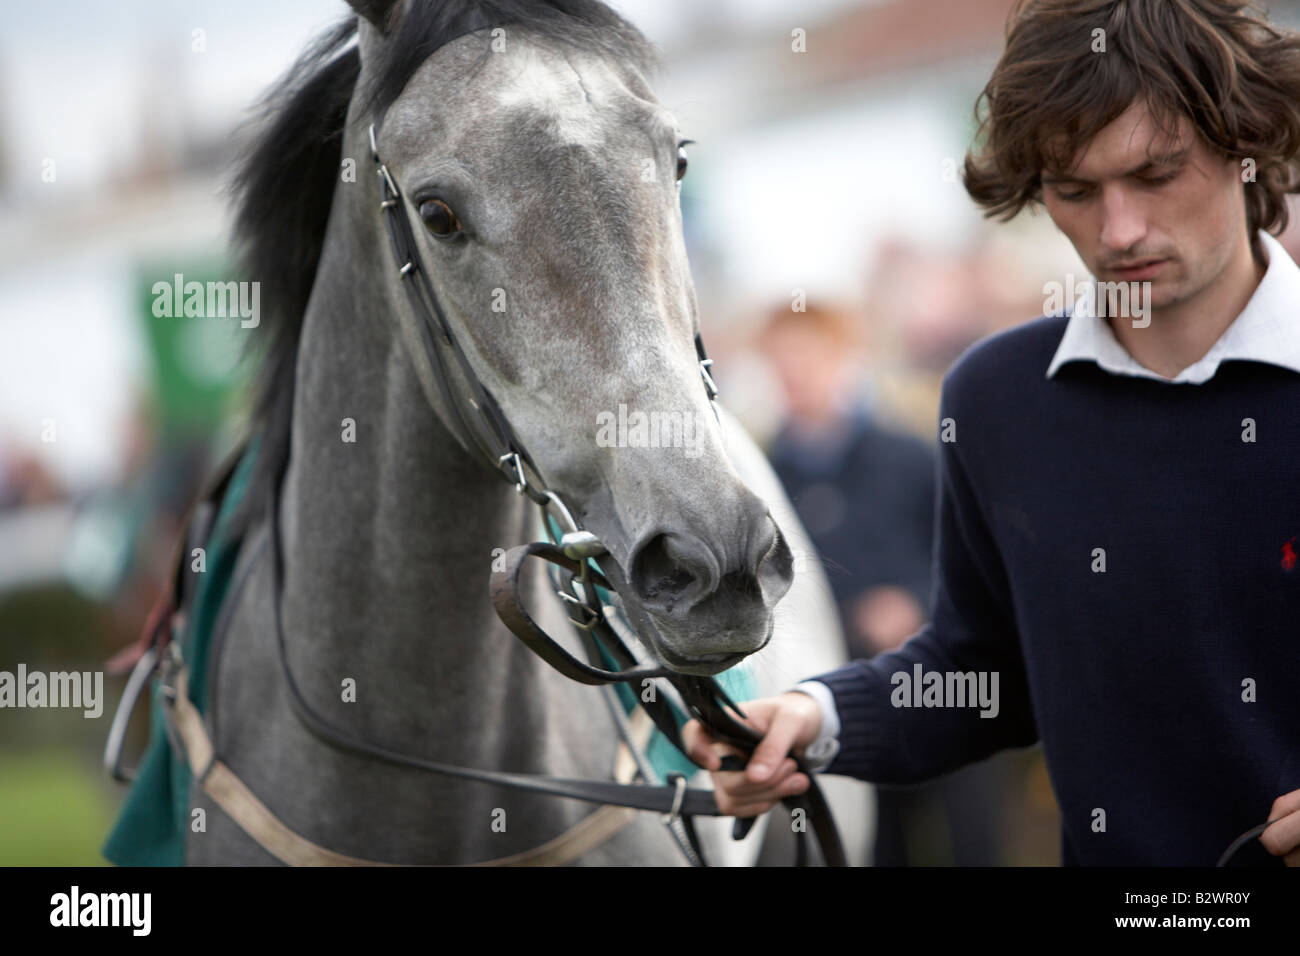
{"x": 388, "y": 538}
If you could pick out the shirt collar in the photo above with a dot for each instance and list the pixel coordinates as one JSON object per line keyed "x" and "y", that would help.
{"x": 1267, "y": 330}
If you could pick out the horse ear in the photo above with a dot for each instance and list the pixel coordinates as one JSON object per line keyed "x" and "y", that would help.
{"x": 378, "y": 12}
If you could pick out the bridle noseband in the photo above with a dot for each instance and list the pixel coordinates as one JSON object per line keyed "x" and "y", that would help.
{"x": 570, "y": 551}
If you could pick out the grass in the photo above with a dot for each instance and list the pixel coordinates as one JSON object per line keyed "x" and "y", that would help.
{"x": 56, "y": 808}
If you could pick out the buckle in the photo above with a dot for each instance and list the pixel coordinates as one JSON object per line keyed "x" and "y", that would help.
{"x": 386, "y": 178}
{"x": 710, "y": 386}
{"x": 169, "y": 666}
{"x": 135, "y": 686}
{"x": 591, "y": 615}
{"x": 521, "y": 482}
{"x": 673, "y": 815}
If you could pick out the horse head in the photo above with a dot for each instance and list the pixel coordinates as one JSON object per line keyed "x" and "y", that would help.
{"x": 540, "y": 177}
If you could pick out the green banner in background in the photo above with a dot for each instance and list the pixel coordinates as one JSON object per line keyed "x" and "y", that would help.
{"x": 198, "y": 321}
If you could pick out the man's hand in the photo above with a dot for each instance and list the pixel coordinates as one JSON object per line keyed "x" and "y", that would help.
{"x": 1283, "y": 837}
{"x": 788, "y": 723}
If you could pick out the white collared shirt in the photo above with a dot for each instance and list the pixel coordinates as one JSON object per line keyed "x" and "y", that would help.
{"x": 1267, "y": 330}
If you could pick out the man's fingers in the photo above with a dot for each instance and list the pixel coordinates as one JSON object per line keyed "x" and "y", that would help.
{"x": 1283, "y": 836}
{"x": 769, "y": 775}
{"x": 741, "y": 787}
{"x": 755, "y": 802}
{"x": 776, "y": 743}
{"x": 705, "y": 750}
{"x": 1287, "y": 803}
{"x": 737, "y": 788}
{"x": 797, "y": 783}
{"x": 700, "y": 746}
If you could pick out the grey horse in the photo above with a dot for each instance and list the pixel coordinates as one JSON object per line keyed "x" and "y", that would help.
{"x": 540, "y": 175}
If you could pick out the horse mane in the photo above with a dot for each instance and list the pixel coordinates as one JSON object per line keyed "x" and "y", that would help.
{"x": 285, "y": 181}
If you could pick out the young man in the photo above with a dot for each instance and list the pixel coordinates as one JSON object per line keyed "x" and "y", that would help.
{"x": 1119, "y": 514}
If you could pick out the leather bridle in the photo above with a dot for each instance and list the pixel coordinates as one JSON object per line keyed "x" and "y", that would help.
{"x": 488, "y": 435}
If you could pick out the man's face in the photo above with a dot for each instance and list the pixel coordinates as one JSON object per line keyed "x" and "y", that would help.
{"x": 1141, "y": 207}
{"x": 811, "y": 367}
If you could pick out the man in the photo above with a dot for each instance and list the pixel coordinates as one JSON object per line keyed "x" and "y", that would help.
{"x": 1118, "y": 519}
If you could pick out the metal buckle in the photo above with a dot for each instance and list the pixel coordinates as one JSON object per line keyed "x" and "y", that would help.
{"x": 135, "y": 686}
{"x": 553, "y": 498}
{"x": 513, "y": 456}
{"x": 388, "y": 181}
{"x": 671, "y": 817}
{"x": 709, "y": 384}
{"x": 592, "y": 615}
{"x": 374, "y": 150}
{"x": 581, "y": 544}
{"x": 168, "y": 668}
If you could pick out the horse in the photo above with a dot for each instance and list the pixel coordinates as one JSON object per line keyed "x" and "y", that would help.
{"x": 539, "y": 177}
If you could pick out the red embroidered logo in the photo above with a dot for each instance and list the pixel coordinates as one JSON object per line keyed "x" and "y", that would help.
{"x": 1288, "y": 556}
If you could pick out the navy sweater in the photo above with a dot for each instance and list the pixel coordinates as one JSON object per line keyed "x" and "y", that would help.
{"x": 1165, "y": 689}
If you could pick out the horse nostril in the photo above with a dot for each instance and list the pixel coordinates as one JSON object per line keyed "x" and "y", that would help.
{"x": 669, "y": 569}
{"x": 677, "y": 571}
{"x": 776, "y": 565}
{"x": 764, "y": 543}
{"x": 740, "y": 585}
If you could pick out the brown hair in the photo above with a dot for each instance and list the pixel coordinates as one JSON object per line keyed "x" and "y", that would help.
{"x": 832, "y": 321}
{"x": 1216, "y": 62}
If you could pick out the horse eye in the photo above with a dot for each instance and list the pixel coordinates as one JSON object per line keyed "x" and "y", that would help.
{"x": 681, "y": 162}
{"x": 438, "y": 218}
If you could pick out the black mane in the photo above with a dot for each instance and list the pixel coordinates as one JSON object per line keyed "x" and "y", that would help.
{"x": 286, "y": 179}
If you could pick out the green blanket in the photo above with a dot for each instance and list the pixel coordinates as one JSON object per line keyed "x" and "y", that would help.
{"x": 150, "y": 829}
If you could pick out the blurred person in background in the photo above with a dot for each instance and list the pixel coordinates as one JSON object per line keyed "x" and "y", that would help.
{"x": 926, "y": 305}
{"x": 864, "y": 491}
{"x": 866, "y": 494}
{"x": 25, "y": 481}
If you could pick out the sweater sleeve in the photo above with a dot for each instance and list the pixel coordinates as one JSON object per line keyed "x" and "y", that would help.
{"x": 971, "y": 629}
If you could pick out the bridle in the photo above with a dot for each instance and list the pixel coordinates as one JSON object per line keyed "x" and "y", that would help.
{"x": 570, "y": 551}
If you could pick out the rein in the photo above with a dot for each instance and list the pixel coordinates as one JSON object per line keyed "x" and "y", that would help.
{"x": 489, "y": 432}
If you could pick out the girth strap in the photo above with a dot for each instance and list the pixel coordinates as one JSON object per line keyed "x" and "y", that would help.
{"x": 287, "y": 846}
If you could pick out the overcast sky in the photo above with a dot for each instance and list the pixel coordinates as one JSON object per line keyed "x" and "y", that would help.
{"x": 75, "y": 77}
